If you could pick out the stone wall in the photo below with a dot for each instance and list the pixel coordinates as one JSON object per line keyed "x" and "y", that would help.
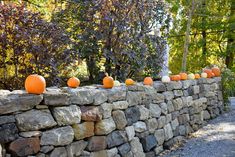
{"x": 124, "y": 121}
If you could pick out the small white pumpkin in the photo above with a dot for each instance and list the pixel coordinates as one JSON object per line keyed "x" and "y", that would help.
{"x": 191, "y": 76}
{"x": 166, "y": 79}
{"x": 204, "y": 75}
{"x": 117, "y": 83}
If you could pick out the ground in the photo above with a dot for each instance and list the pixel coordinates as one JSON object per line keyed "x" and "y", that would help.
{"x": 216, "y": 139}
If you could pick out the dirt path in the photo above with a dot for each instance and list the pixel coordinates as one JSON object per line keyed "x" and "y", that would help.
{"x": 216, "y": 139}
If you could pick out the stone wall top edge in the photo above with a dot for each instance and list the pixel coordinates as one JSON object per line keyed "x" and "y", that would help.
{"x": 99, "y": 87}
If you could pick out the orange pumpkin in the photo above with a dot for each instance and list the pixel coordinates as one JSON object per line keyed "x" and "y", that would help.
{"x": 197, "y": 76}
{"x": 35, "y": 84}
{"x": 148, "y": 81}
{"x": 216, "y": 71}
{"x": 183, "y": 76}
{"x": 129, "y": 82}
{"x": 108, "y": 82}
{"x": 209, "y": 73}
{"x": 73, "y": 82}
{"x": 175, "y": 77}
{"x": 213, "y": 75}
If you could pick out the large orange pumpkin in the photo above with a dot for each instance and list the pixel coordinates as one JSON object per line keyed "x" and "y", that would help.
{"x": 209, "y": 73}
{"x": 197, "y": 76}
{"x": 73, "y": 82}
{"x": 183, "y": 76}
{"x": 216, "y": 71}
{"x": 35, "y": 84}
{"x": 108, "y": 82}
{"x": 129, "y": 82}
{"x": 148, "y": 81}
{"x": 175, "y": 77}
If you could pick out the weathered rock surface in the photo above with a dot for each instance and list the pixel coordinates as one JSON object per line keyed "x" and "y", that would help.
{"x": 116, "y": 138}
{"x": 144, "y": 112}
{"x": 67, "y": 115}
{"x": 35, "y": 120}
{"x": 120, "y": 105}
{"x": 58, "y": 137}
{"x": 7, "y": 119}
{"x": 152, "y": 125}
{"x": 178, "y": 104}
{"x": 160, "y": 136}
{"x": 8, "y": 132}
{"x": 155, "y": 110}
{"x": 134, "y": 98}
{"x": 59, "y": 151}
{"x": 148, "y": 142}
{"x": 99, "y": 96}
{"x": 130, "y": 130}
{"x": 76, "y": 148}
{"x": 119, "y": 119}
{"x": 90, "y": 113}
{"x": 116, "y": 94}
{"x": 140, "y": 126}
{"x": 136, "y": 148}
{"x": 56, "y": 98}
{"x": 25, "y": 146}
{"x": 30, "y": 134}
{"x": 79, "y": 96}
{"x": 132, "y": 115}
{"x": 18, "y": 102}
{"x": 168, "y": 132}
{"x": 97, "y": 143}
{"x": 106, "y": 110}
{"x": 124, "y": 149}
{"x": 105, "y": 126}
{"x": 83, "y": 130}
{"x": 46, "y": 149}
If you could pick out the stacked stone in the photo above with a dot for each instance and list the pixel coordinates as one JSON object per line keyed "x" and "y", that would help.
{"x": 133, "y": 121}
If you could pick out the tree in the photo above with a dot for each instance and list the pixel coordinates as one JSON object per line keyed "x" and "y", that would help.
{"x": 28, "y": 44}
{"x": 208, "y": 37}
{"x": 117, "y": 34}
{"x": 187, "y": 33}
{"x": 230, "y": 50}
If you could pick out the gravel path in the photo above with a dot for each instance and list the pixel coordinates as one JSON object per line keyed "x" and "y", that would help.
{"x": 216, "y": 139}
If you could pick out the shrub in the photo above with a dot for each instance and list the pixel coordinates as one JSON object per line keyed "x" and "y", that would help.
{"x": 228, "y": 84}
{"x": 29, "y": 44}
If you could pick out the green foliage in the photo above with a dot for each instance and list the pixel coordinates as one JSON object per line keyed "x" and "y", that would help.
{"x": 208, "y": 37}
{"x": 228, "y": 84}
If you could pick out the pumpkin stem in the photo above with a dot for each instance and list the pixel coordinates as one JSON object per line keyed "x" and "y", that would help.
{"x": 106, "y": 74}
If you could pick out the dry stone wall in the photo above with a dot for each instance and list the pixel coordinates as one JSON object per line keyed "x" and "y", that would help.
{"x": 133, "y": 121}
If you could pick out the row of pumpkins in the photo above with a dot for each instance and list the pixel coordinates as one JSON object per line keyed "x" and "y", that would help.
{"x": 36, "y": 84}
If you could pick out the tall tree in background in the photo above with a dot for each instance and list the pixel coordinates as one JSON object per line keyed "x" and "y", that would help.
{"x": 208, "y": 36}
{"x": 187, "y": 34}
{"x": 230, "y": 51}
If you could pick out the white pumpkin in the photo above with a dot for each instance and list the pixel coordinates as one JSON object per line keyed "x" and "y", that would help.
{"x": 166, "y": 79}
{"x": 204, "y": 75}
{"x": 191, "y": 76}
{"x": 117, "y": 83}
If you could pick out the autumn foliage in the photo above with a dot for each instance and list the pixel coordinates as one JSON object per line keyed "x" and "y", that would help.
{"x": 29, "y": 44}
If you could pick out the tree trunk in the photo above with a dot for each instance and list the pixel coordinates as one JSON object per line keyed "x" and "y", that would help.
{"x": 204, "y": 34}
{"x": 230, "y": 51}
{"x": 92, "y": 68}
{"x": 187, "y": 35}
